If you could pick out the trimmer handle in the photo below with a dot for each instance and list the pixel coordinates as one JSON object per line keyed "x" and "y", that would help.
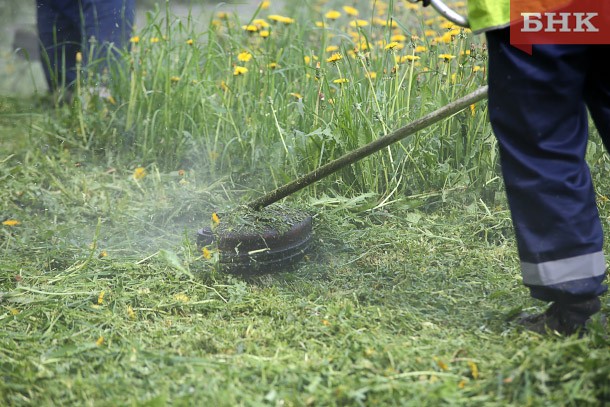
{"x": 446, "y": 12}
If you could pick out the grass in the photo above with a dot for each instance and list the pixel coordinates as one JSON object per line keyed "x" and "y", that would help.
{"x": 406, "y": 299}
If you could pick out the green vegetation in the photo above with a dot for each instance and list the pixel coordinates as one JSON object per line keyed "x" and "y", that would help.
{"x": 408, "y": 295}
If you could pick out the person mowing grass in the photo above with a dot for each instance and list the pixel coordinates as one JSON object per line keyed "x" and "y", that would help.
{"x": 90, "y": 27}
{"x": 538, "y": 106}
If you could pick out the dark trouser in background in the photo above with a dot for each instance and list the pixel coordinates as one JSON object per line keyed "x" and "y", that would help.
{"x": 538, "y": 111}
{"x": 66, "y": 27}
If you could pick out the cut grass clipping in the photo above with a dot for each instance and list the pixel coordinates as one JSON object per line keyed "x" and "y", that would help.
{"x": 408, "y": 293}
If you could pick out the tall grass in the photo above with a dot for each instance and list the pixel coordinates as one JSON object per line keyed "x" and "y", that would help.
{"x": 284, "y": 95}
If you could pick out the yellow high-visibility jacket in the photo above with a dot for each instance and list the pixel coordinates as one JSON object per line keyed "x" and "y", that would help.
{"x": 485, "y": 15}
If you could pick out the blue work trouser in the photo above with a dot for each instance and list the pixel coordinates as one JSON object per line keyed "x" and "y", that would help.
{"x": 538, "y": 111}
{"x": 66, "y": 27}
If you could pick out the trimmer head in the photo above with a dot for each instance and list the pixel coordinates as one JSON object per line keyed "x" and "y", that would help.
{"x": 270, "y": 242}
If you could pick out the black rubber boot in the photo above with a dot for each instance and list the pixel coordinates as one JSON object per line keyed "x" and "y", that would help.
{"x": 566, "y": 319}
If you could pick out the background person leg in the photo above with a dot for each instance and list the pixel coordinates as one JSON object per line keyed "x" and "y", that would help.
{"x": 60, "y": 40}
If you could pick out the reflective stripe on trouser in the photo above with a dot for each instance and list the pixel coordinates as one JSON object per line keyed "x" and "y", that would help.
{"x": 540, "y": 119}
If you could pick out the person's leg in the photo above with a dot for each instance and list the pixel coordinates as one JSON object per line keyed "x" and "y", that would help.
{"x": 540, "y": 120}
{"x": 60, "y": 40}
{"x": 597, "y": 93}
{"x": 107, "y": 23}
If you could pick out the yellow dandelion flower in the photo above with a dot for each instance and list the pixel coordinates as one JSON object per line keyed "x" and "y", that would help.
{"x": 189, "y": 42}
{"x": 320, "y": 24}
{"x": 474, "y": 369}
{"x": 430, "y": 33}
{"x": 429, "y": 21}
{"x": 215, "y": 219}
{"x": 280, "y": 19}
{"x": 372, "y": 75}
{"x": 130, "y": 312}
{"x": 332, "y": 48}
{"x": 273, "y": 65}
{"x": 135, "y": 39}
{"x": 307, "y": 59}
{"x": 391, "y": 45}
{"x": 265, "y": 5}
{"x": 296, "y": 95}
{"x": 100, "y": 298}
{"x": 411, "y": 6}
{"x": 223, "y": 15}
{"x": 223, "y": 86}
{"x": 244, "y": 56}
{"x": 251, "y": 28}
{"x": 462, "y": 383}
{"x": 447, "y": 25}
{"x": 100, "y": 341}
{"x": 446, "y": 57}
{"x": 175, "y": 79}
{"x": 341, "y": 81}
{"x": 391, "y": 24}
{"x": 380, "y": 21}
{"x": 358, "y": 23}
{"x": 398, "y": 38}
{"x": 240, "y": 70}
{"x": 351, "y": 11}
{"x": 476, "y": 68}
{"x": 334, "y": 57}
{"x": 154, "y": 40}
{"x": 325, "y": 322}
{"x": 103, "y": 254}
{"x": 181, "y": 297}
{"x": 11, "y": 222}
{"x": 14, "y": 311}
{"x": 464, "y": 52}
{"x": 139, "y": 173}
{"x": 259, "y": 22}
{"x": 332, "y": 14}
{"x": 206, "y": 253}
{"x": 420, "y": 48}
{"x": 445, "y": 38}
{"x": 264, "y": 33}
{"x": 442, "y": 365}
{"x": 411, "y": 58}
